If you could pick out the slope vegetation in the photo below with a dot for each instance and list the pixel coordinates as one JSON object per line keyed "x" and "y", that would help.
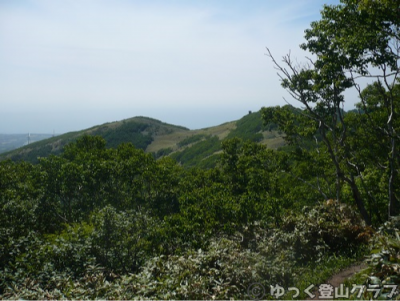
{"x": 189, "y": 147}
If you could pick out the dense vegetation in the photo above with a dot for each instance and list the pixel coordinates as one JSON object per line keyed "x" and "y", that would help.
{"x": 249, "y": 128}
{"x": 202, "y": 150}
{"x": 96, "y": 222}
{"x": 197, "y": 152}
{"x": 128, "y": 131}
{"x": 117, "y": 223}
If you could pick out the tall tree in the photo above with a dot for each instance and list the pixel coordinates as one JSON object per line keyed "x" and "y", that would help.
{"x": 354, "y": 40}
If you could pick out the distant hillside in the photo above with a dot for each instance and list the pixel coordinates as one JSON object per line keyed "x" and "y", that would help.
{"x": 140, "y": 131}
{"x": 9, "y": 142}
{"x": 201, "y": 147}
{"x": 189, "y": 147}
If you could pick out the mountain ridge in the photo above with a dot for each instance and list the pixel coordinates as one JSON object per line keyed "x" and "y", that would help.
{"x": 159, "y": 138}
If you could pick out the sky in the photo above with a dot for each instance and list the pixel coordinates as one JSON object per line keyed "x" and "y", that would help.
{"x": 72, "y": 64}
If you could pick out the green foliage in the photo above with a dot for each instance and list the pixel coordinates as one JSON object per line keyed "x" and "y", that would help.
{"x": 298, "y": 129}
{"x": 77, "y": 262}
{"x": 192, "y": 155}
{"x": 249, "y": 128}
{"x": 209, "y": 162}
{"x": 246, "y": 166}
{"x": 122, "y": 240}
{"x": 383, "y": 261}
{"x": 34, "y": 154}
{"x": 346, "y": 42}
{"x": 130, "y": 131}
{"x": 330, "y": 227}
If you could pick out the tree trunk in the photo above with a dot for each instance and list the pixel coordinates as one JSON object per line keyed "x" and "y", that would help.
{"x": 392, "y": 210}
{"x": 359, "y": 201}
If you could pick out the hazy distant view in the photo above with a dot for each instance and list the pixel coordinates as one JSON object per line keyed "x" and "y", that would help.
{"x": 68, "y": 65}
{"x": 11, "y": 141}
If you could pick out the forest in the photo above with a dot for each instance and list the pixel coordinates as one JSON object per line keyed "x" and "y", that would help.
{"x": 97, "y": 222}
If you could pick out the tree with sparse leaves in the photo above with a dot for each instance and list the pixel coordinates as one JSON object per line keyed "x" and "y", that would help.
{"x": 354, "y": 40}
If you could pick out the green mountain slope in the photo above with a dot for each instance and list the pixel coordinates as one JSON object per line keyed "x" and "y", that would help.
{"x": 189, "y": 147}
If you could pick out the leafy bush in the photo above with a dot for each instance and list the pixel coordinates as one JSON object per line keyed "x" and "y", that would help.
{"x": 330, "y": 227}
{"x": 122, "y": 240}
{"x": 383, "y": 261}
{"x": 224, "y": 269}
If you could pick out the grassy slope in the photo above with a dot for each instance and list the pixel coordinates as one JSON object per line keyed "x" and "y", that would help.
{"x": 171, "y": 140}
{"x": 162, "y": 136}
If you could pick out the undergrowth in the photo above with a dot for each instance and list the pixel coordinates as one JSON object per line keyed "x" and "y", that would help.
{"x": 383, "y": 264}
{"x": 297, "y": 253}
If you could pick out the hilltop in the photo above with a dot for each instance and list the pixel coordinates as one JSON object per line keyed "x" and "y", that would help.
{"x": 189, "y": 147}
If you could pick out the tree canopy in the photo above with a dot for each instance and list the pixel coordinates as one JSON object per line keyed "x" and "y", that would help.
{"x": 354, "y": 40}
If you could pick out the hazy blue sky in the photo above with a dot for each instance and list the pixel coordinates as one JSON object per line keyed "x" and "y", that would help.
{"x": 71, "y": 64}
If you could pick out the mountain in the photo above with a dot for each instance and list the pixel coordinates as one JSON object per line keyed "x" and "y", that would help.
{"x": 189, "y": 147}
{"x": 9, "y": 142}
